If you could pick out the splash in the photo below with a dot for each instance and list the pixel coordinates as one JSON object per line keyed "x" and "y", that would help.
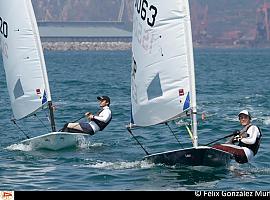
{"x": 249, "y": 170}
{"x": 85, "y": 143}
{"x": 19, "y": 147}
{"x": 121, "y": 165}
{"x": 266, "y": 121}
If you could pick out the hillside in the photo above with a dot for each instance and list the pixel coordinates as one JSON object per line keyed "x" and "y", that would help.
{"x": 213, "y": 21}
{"x": 81, "y": 10}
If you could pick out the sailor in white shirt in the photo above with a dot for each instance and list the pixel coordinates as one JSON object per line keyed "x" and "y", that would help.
{"x": 248, "y": 140}
{"x": 96, "y": 122}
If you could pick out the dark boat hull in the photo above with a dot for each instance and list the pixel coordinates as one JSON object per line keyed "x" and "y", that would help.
{"x": 200, "y": 156}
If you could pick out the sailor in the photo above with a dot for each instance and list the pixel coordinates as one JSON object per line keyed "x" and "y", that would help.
{"x": 248, "y": 140}
{"x": 96, "y": 122}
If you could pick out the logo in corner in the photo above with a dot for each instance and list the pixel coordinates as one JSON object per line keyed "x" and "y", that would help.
{"x": 6, "y": 195}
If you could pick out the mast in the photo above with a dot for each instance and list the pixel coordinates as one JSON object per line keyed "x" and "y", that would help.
{"x": 192, "y": 74}
{"x": 51, "y": 116}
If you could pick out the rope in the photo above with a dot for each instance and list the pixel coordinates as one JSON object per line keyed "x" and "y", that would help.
{"x": 190, "y": 133}
{"x": 174, "y": 135}
{"x": 46, "y": 116}
{"x": 13, "y": 120}
{"x": 41, "y": 122}
{"x": 129, "y": 130}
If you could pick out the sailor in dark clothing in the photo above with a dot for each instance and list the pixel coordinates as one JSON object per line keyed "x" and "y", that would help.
{"x": 96, "y": 122}
{"x": 248, "y": 140}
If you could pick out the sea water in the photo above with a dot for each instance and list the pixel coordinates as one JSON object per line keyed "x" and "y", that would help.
{"x": 227, "y": 81}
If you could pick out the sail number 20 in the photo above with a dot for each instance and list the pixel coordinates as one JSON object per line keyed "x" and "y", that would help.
{"x": 3, "y": 28}
{"x": 144, "y": 9}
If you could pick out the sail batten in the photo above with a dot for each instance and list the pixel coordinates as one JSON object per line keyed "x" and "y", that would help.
{"x": 161, "y": 82}
{"x": 23, "y": 59}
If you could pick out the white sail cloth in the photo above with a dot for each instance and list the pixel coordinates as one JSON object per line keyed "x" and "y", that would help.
{"x": 162, "y": 75}
{"x": 23, "y": 58}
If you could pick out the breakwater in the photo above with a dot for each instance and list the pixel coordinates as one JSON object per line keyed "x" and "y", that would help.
{"x": 84, "y": 46}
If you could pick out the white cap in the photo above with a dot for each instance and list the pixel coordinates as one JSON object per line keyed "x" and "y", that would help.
{"x": 245, "y": 112}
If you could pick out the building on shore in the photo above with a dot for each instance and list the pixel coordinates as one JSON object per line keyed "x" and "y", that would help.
{"x": 85, "y": 35}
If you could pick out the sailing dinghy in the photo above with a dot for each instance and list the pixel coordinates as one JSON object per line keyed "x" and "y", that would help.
{"x": 26, "y": 73}
{"x": 163, "y": 78}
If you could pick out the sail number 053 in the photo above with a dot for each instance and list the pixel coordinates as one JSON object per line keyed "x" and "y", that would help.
{"x": 3, "y": 28}
{"x": 144, "y": 9}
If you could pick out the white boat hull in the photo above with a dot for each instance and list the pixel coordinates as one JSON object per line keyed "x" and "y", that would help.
{"x": 200, "y": 156}
{"x": 55, "y": 140}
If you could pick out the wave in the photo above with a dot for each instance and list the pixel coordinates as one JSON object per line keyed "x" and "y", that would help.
{"x": 121, "y": 165}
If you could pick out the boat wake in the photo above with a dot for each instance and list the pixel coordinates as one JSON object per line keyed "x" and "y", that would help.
{"x": 19, "y": 147}
{"x": 266, "y": 121}
{"x": 249, "y": 171}
{"x": 82, "y": 143}
{"x": 121, "y": 165}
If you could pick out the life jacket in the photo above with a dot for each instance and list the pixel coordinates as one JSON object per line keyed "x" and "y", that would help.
{"x": 254, "y": 147}
{"x": 102, "y": 124}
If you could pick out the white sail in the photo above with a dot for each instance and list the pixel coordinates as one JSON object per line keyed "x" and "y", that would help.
{"x": 26, "y": 74}
{"x": 163, "y": 78}
{"x": 23, "y": 58}
{"x": 162, "y": 75}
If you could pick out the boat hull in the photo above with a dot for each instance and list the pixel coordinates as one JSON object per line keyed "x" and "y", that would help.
{"x": 200, "y": 156}
{"x": 55, "y": 140}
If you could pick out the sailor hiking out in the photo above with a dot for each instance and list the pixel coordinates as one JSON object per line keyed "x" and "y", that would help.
{"x": 245, "y": 143}
{"x": 97, "y": 122}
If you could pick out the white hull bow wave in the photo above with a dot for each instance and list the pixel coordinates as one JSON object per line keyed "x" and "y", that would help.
{"x": 26, "y": 73}
{"x": 163, "y": 78}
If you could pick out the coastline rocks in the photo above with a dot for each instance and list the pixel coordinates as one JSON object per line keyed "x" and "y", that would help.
{"x": 85, "y": 46}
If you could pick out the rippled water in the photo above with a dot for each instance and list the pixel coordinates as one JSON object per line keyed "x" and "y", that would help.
{"x": 227, "y": 82}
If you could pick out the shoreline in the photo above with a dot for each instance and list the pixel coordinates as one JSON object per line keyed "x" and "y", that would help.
{"x": 122, "y": 46}
{"x": 113, "y": 46}
{"x": 86, "y": 46}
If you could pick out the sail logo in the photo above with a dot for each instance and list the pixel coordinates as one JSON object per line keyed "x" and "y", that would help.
{"x": 187, "y": 102}
{"x": 3, "y": 28}
{"x": 181, "y": 92}
{"x": 44, "y": 98}
{"x": 6, "y": 195}
{"x": 38, "y": 91}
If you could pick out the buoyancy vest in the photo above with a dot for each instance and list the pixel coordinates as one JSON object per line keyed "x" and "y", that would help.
{"x": 254, "y": 147}
{"x": 101, "y": 124}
